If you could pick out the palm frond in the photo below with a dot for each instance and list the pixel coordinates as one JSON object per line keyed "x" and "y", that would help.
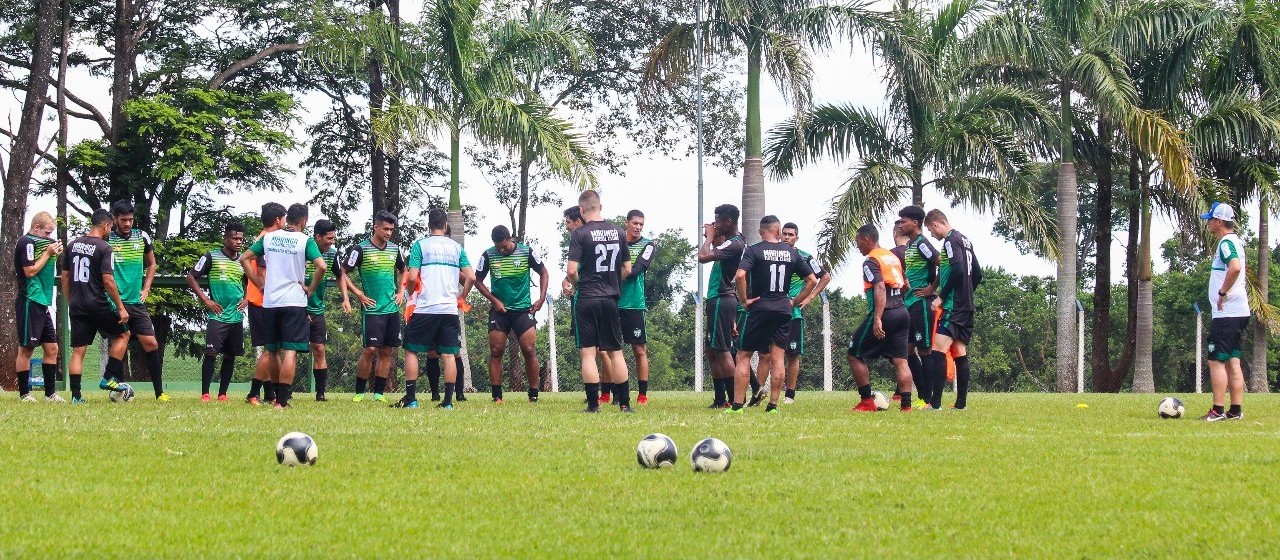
{"x": 503, "y": 122}
{"x": 1235, "y": 123}
{"x": 831, "y": 130}
{"x": 873, "y": 190}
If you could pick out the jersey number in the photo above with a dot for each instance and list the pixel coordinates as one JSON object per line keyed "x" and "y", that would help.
{"x": 80, "y": 266}
{"x": 778, "y": 278}
{"x": 607, "y": 257}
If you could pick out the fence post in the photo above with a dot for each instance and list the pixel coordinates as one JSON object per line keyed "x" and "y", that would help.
{"x": 1199, "y": 348}
{"x": 1079, "y": 348}
{"x": 554, "y": 357}
{"x": 698, "y": 328}
{"x": 827, "y": 372}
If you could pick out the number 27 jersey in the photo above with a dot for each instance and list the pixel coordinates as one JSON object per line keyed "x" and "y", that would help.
{"x": 600, "y": 249}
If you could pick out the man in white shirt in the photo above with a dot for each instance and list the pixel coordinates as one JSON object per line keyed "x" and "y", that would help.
{"x": 439, "y": 267}
{"x": 286, "y": 252}
{"x": 1230, "y": 304}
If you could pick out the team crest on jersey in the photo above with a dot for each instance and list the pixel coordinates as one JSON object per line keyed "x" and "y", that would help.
{"x": 1211, "y": 347}
{"x": 636, "y": 332}
{"x": 793, "y": 345}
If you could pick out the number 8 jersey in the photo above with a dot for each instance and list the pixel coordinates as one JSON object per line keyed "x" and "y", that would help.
{"x": 600, "y": 249}
{"x": 769, "y": 266}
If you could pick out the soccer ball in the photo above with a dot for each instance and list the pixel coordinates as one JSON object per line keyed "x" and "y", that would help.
{"x": 656, "y": 451}
{"x": 122, "y": 394}
{"x": 710, "y": 455}
{"x": 882, "y": 403}
{"x": 1171, "y": 407}
{"x": 296, "y": 449}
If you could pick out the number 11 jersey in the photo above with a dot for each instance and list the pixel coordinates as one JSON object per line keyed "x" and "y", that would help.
{"x": 769, "y": 266}
{"x": 599, "y": 248}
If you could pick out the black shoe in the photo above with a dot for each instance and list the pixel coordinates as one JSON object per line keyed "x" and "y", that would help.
{"x": 435, "y": 398}
{"x": 533, "y": 399}
{"x": 404, "y": 402}
{"x": 718, "y": 405}
{"x": 590, "y": 410}
{"x": 1235, "y": 416}
{"x": 460, "y": 397}
{"x": 1214, "y": 416}
{"x": 321, "y": 398}
{"x": 759, "y": 396}
{"x": 625, "y": 408}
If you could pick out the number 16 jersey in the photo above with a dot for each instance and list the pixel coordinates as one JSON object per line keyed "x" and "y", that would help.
{"x": 600, "y": 249}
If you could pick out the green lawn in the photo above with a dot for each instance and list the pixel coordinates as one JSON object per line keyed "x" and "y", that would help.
{"x": 1029, "y": 476}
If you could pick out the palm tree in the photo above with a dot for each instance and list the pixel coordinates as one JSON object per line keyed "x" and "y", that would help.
{"x": 969, "y": 140}
{"x": 777, "y": 36}
{"x": 1070, "y": 48}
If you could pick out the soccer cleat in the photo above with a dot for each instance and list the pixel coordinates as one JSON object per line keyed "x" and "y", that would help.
{"x": 718, "y": 405}
{"x": 108, "y": 384}
{"x": 55, "y": 398}
{"x": 897, "y": 397}
{"x": 907, "y": 409}
{"x": 28, "y": 398}
{"x": 379, "y": 397}
{"x": 642, "y": 399}
{"x": 604, "y": 399}
{"x": 920, "y": 403}
{"x": 761, "y": 393}
{"x": 445, "y": 405}
{"x": 253, "y": 400}
{"x": 1214, "y": 416}
{"x": 163, "y": 398}
{"x": 1235, "y": 416}
{"x": 533, "y": 399}
{"x": 866, "y": 405}
{"x": 78, "y": 400}
{"x": 732, "y": 410}
{"x": 358, "y": 398}
{"x": 773, "y": 410}
{"x": 405, "y": 403}
{"x": 788, "y": 400}
{"x": 497, "y": 400}
{"x": 321, "y": 398}
{"x": 435, "y": 398}
{"x": 954, "y": 407}
{"x": 206, "y": 398}
{"x": 590, "y": 410}
{"x": 460, "y": 397}
{"x": 277, "y": 406}
{"x": 626, "y": 408}
{"x": 223, "y": 398}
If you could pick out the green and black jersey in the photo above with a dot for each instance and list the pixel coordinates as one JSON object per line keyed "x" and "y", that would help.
{"x": 797, "y": 283}
{"x": 642, "y": 251}
{"x": 920, "y": 264}
{"x": 226, "y": 284}
{"x": 316, "y": 304}
{"x": 38, "y": 288}
{"x": 728, "y": 255}
{"x": 130, "y": 263}
{"x": 511, "y": 275}
{"x": 378, "y": 268}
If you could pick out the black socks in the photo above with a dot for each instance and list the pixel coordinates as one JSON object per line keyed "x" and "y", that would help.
{"x": 755, "y": 383}
{"x": 154, "y": 364}
{"x": 622, "y": 393}
{"x": 255, "y": 388}
{"x": 269, "y": 391}
{"x": 115, "y": 369}
{"x": 593, "y": 396}
{"x": 411, "y": 390}
{"x": 935, "y": 369}
{"x": 962, "y": 381}
{"x": 644, "y": 386}
{"x": 448, "y": 393}
{"x": 24, "y": 382}
{"x": 379, "y": 385}
{"x": 923, "y": 385}
{"x": 362, "y": 386}
{"x": 50, "y": 372}
{"x": 906, "y": 399}
{"x": 321, "y": 376}
{"x": 224, "y": 375}
{"x": 433, "y": 377}
{"x": 495, "y": 391}
{"x": 864, "y": 391}
{"x": 283, "y": 392}
{"x": 75, "y": 386}
{"x": 791, "y": 393}
{"x": 1218, "y": 408}
{"x": 206, "y": 373}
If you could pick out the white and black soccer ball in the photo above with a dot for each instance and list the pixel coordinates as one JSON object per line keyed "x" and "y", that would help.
{"x": 656, "y": 451}
{"x": 1171, "y": 407}
{"x": 296, "y": 449}
{"x": 122, "y": 394}
{"x": 710, "y": 455}
{"x": 882, "y": 402}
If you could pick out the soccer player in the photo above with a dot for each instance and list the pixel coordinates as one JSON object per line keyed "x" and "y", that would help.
{"x": 572, "y": 221}
{"x": 93, "y": 300}
{"x": 762, "y": 281}
{"x": 440, "y": 268}
{"x": 958, "y": 274}
{"x": 597, "y": 264}
{"x": 795, "y": 346}
{"x": 884, "y": 331}
{"x": 1230, "y": 313}
{"x": 722, "y": 299}
{"x": 34, "y": 259}
{"x": 920, "y": 264}
{"x": 511, "y": 310}
{"x": 326, "y": 236}
{"x": 135, "y": 268}
{"x": 265, "y": 372}
{"x": 285, "y": 252}
{"x": 632, "y": 304}
{"x": 224, "y": 332}
{"x": 380, "y": 263}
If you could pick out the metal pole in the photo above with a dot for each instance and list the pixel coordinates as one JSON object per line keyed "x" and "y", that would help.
{"x": 1080, "y": 348}
{"x": 699, "y": 320}
{"x": 1199, "y": 349}
{"x": 554, "y": 357}
{"x": 827, "y": 372}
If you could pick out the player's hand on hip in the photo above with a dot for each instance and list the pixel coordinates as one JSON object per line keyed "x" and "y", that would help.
{"x": 1222, "y": 302}
{"x": 750, "y": 302}
{"x": 213, "y": 307}
{"x": 366, "y": 301}
{"x": 242, "y": 304}
{"x": 537, "y": 305}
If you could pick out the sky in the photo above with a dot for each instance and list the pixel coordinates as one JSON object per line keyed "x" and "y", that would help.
{"x": 664, "y": 189}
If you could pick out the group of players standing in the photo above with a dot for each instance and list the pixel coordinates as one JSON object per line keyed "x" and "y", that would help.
{"x": 920, "y": 304}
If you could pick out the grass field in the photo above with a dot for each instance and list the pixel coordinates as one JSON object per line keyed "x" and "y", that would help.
{"x": 1029, "y": 476}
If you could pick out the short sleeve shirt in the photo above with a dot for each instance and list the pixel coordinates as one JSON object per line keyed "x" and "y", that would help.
{"x": 226, "y": 284}
{"x": 87, "y": 259}
{"x": 598, "y": 248}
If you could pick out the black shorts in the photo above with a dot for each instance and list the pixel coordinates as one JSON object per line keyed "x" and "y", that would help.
{"x": 795, "y": 340}
{"x": 257, "y": 325}
{"x": 139, "y": 320}
{"x": 598, "y": 324}
{"x": 224, "y": 338}
{"x": 921, "y": 334}
{"x": 633, "y": 327}
{"x": 762, "y": 330}
{"x": 958, "y": 325}
{"x": 437, "y": 332}
{"x": 287, "y": 329}
{"x": 722, "y": 317}
{"x": 382, "y": 331}
{"x": 514, "y": 322}
{"x": 866, "y": 347}
{"x": 319, "y": 328}
{"x": 35, "y": 324}
{"x": 104, "y": 322}
{"x": 1226, "y": 337}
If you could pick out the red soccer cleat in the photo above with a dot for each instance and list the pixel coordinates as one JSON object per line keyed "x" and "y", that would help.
{"x": 604, "y": 399}
{"x": 907, "y": 409}
{"x": 206, "y": 398}
{"x": 897, "y": 397}
{"x": 255, "y": 401}
{"x": 866, "y": 405}
{"x": 223, "y": 398}
{"x": 643, "y": 399}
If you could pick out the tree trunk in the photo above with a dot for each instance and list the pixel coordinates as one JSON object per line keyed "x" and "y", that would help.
{"x": 377, "y": 157}
{"x": 522, "y": 209}
{"x": 64, "y": 172}
{"x": 1100, "y": 352}
{"x": 458, "y": 232}
{"x": 394, "y": 169}
{"x": 121, "y": 90}
{"x": 1143, "y": 374}
{"x": 1259, "y": 379}
{"x": 753, "y": 203}
{"x": 22, "y": 163}
{"x": 1066, "y": 283}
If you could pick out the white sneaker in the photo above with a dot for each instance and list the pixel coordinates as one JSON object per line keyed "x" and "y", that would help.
{"x": 28, "y": 398}
{"x": 55, "y": 398}
{"x": 788, "y": 400}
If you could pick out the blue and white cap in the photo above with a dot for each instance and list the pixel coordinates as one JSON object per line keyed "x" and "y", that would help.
{"x": 1221, "y": 211}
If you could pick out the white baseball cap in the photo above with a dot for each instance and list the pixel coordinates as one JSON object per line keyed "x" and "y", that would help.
{"x": 1221, "y": 211}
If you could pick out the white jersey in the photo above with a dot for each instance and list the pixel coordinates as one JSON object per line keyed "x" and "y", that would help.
{"x": 438, "y": 260}
{"x": 285, "y": 255}
{"x": 1237, "y": 300}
